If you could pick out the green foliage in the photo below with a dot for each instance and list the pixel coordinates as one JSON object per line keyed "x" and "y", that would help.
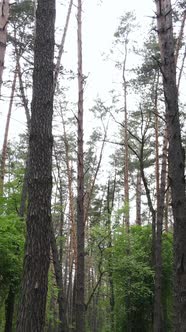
{"x": 10, "y": 201}
{"x": 11, "y": 251}
{"x": 11, "y": 228}
{"x": 22, "y": 21}
{"x": 52, "y": 320}
{"x": 127, "y": 24}
{"x": 133, "y": 278}
{"x": 124, "y": 210}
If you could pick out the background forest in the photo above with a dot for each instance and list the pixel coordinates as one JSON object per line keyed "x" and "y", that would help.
{"x": 92, "y": 188}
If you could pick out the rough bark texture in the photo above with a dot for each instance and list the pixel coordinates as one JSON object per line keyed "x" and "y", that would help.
{"x": 80, "y": 306}
{"x": 176, "y": 158}
{"x": 31, "y": 316}
{"x": 4, "y": 14}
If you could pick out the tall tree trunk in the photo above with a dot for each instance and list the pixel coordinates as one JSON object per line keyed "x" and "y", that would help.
{"x": 157, "y": 166}
{"x": 31, "y": 315}
{"x": 110, "y": 205}
{"x": 5, "y": 142}
{"x": 126, "y": 152}
{"x": 9, "y": 310}
{"x": 4, "y": 15}
{"x": 158, "y": 308}
{"x": 80, "y": 306}
{"x": 63, "y": 326}
{"x": 176, "y": 158}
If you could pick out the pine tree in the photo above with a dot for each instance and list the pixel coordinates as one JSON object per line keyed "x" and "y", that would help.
{"x": 37, "y": 254}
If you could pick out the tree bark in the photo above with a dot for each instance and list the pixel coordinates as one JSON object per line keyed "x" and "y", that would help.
{"x": 31, "y": 317}
{"x": 80, "y": 286}
{"x": 176, "y": 158}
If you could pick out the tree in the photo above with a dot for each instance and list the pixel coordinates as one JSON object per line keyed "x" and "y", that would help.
{"x": 122, "y": 39}
{"x": 37, "y": 255}
{"x": 4, "y": 14}
{"x": 80, "y": 287}
{"x": 21, "y": 19}
{"x": 176, "y": 158}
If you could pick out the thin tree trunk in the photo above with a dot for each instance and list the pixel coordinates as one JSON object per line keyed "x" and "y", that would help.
{"x": 31, "y": 315}
{"x": 167, "y": 199}
{"x": 138, "y": 199}
{"x": 158, "y": 308}
{"x": 178, "y": 47}
{"x": 5, "y": 142}
{"x": 157, "y": 167}
{"x": 9, "y": 310}
{"x": 80, "y": 305}
{"x": 149, "y": 202}
{"x": 176, "y": 158}
{"x": 24, "y": 191}
{"x": 69, "y": 289}
{"x": 4, "y": 15}
{"x": 181, "y": 69}
{"x": 180, "y": 37}
{"x": 110, "y": 205}
{"x": 126, "y": 152}
{"x": 23, "y": 97}
{"x": 58, "y": 274}
{"x": 61, "y": 48}
{"x": 61, "y": 226}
